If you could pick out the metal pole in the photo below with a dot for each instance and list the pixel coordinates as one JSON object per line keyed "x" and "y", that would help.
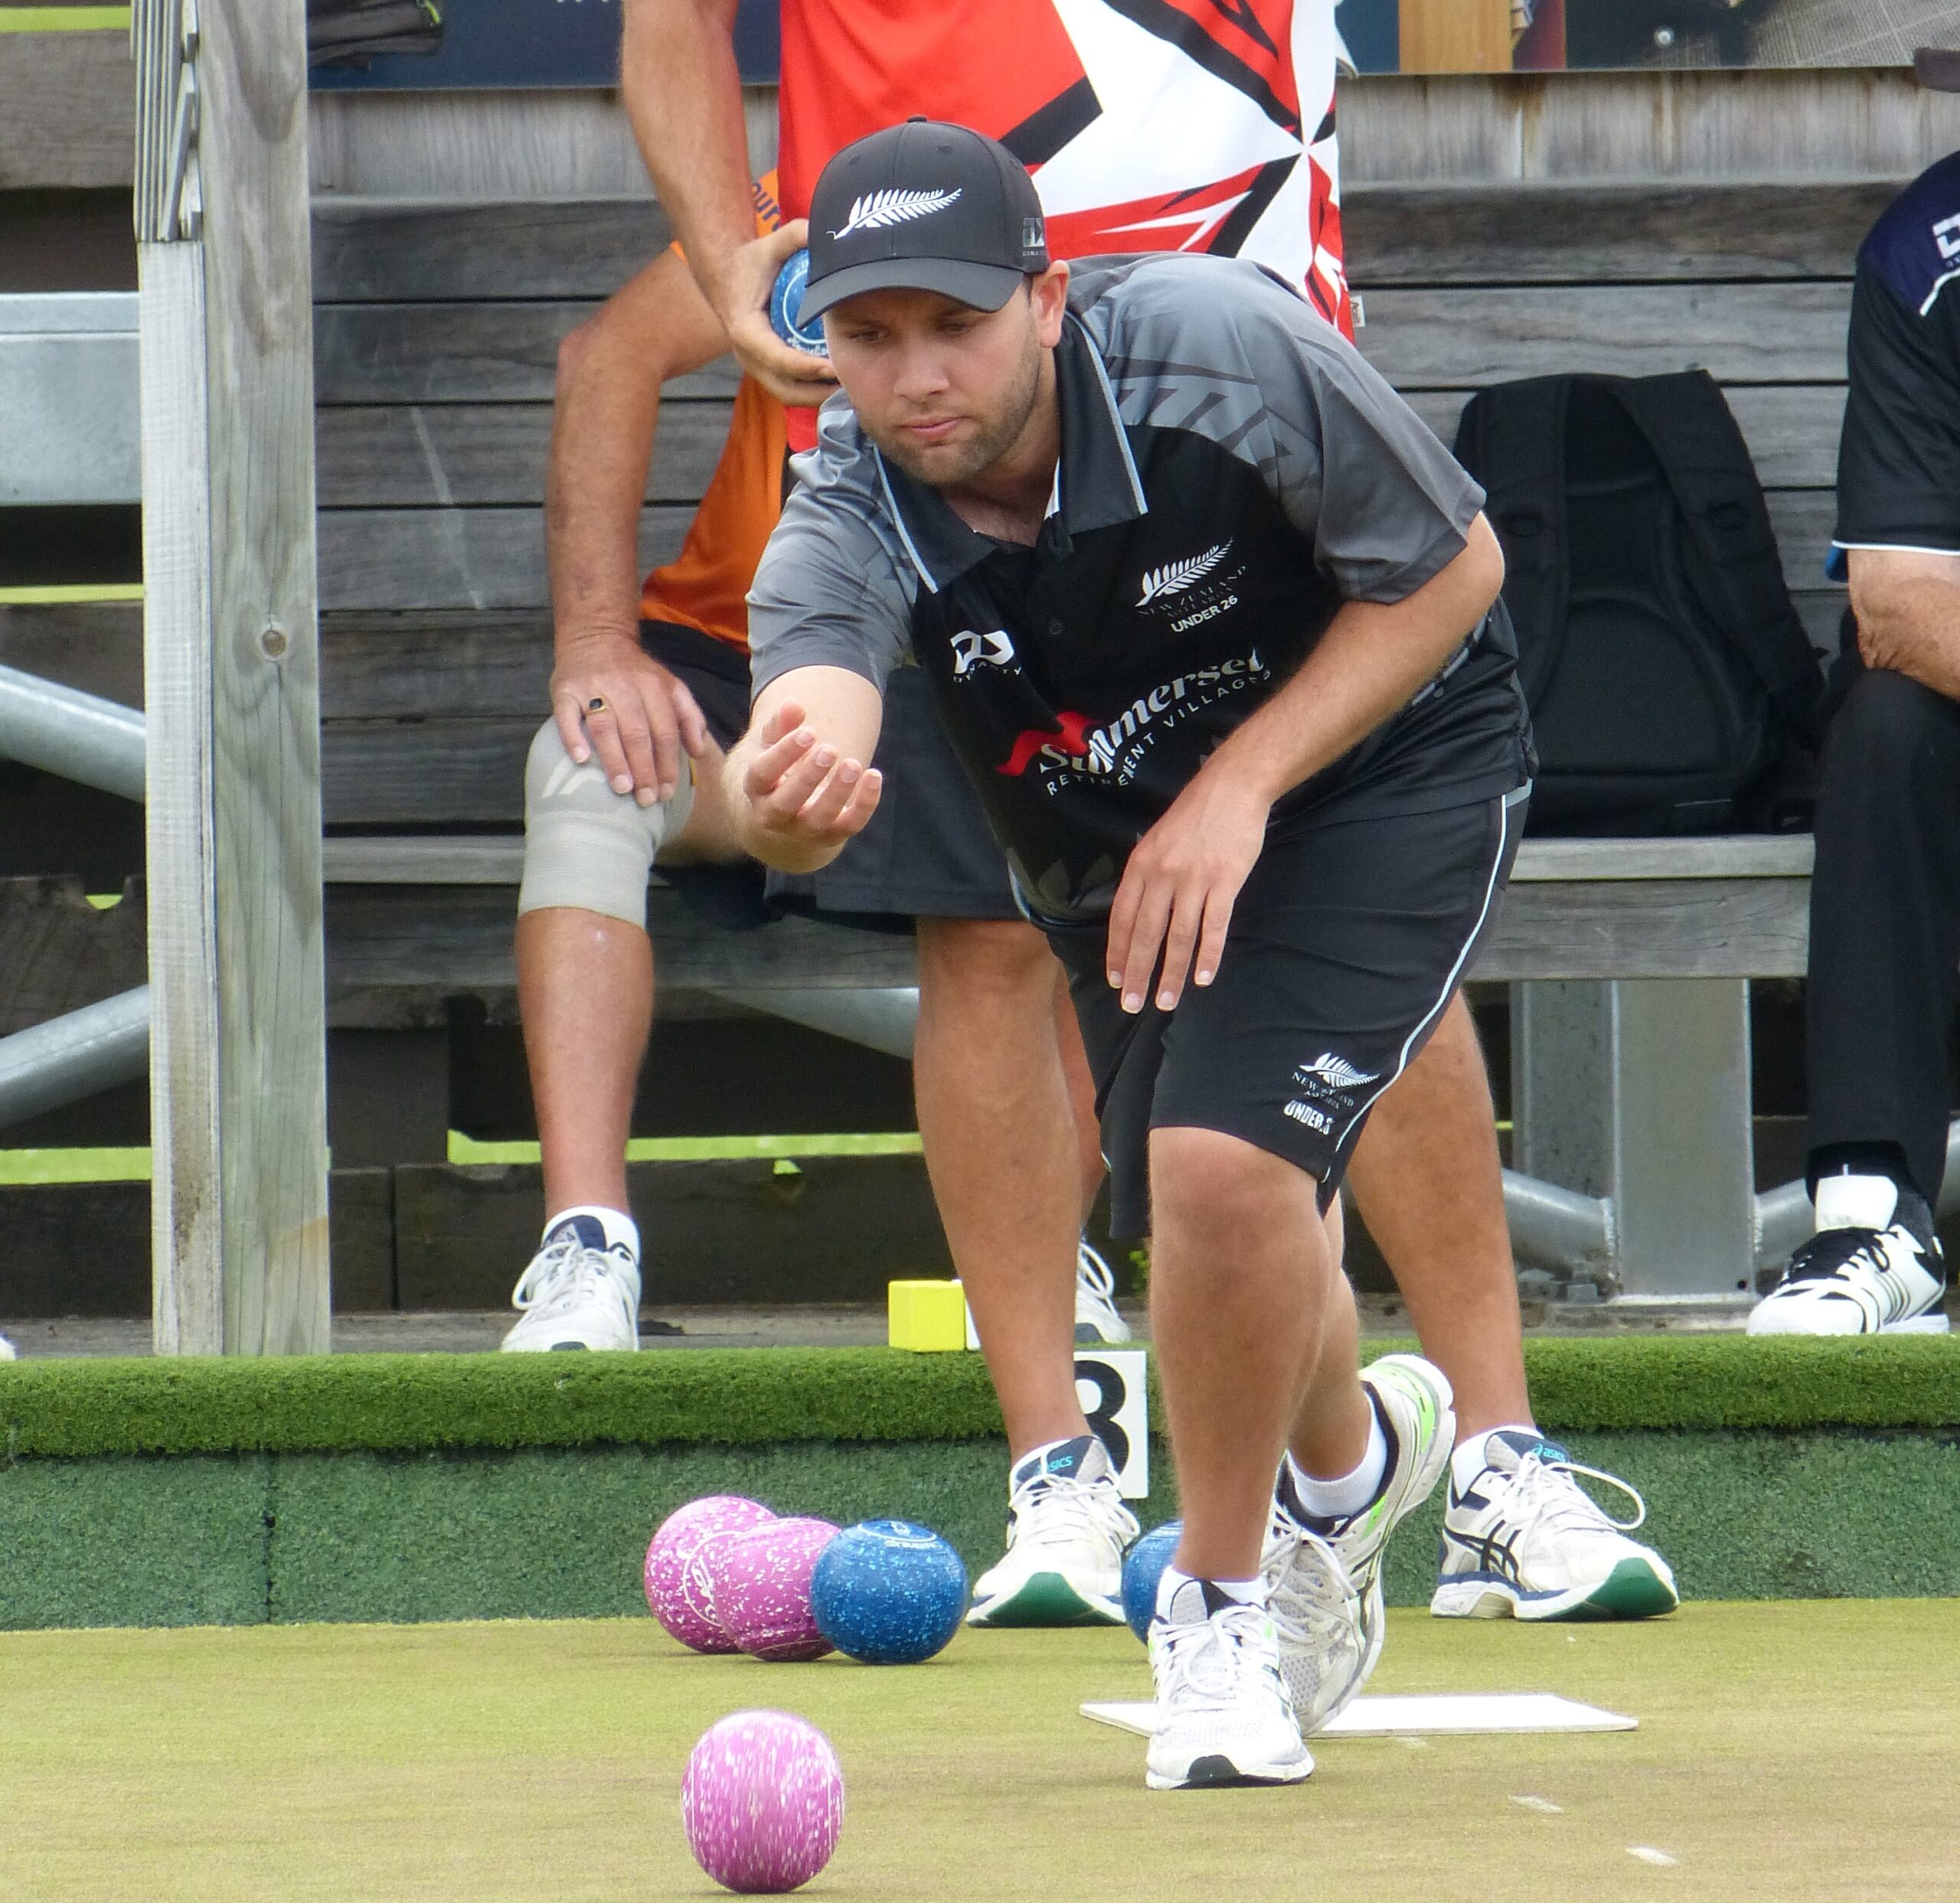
{"x": 74, "y": 1055}
{"x": 881, "y": 1019}
{"x": 79, "y": 736}
{"x": 1560, "y": 1229}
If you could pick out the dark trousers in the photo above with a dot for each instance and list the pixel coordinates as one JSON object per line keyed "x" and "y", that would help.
{"x": 1885, "y": 924}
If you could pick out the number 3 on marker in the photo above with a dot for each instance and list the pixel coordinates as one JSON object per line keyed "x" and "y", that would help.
{"x": 1110, "y": 1385}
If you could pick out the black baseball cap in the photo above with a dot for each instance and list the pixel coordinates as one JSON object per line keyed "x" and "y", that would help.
{"x": 923, "y": 206}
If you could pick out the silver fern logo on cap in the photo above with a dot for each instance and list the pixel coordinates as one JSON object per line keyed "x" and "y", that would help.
{"x": 894, "y": 205}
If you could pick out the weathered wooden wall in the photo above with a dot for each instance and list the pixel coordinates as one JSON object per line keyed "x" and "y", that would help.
{"x": 1848, "y": 123}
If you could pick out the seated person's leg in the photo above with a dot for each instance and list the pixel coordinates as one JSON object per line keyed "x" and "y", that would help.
{"x": 585, "y": 992}
{"x": 1884, "y": 941}
{"x": 1520, "y": 1537}
{"x": 585, "y": 984}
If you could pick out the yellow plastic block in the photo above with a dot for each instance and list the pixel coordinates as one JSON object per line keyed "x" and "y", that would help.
{"x": 927, "y": 1318}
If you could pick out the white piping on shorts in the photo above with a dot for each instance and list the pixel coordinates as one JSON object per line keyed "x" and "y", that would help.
{"x": 1509, "y": 802}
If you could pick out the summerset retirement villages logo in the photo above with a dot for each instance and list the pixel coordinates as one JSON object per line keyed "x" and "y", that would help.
{"x": 1079, "y": 747}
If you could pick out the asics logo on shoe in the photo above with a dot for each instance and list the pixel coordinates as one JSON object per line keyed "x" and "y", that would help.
{"x": 1174, "y": 577}
{"x": 1498, "y": 1557}
{"x": 895, "y": 205}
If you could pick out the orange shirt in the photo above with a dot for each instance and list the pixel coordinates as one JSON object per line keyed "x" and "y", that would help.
{"x": 705, "y": 585}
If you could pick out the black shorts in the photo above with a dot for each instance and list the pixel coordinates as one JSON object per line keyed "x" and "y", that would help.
{"x": 928, "y": 851}
{"x": 1346, "y": 945}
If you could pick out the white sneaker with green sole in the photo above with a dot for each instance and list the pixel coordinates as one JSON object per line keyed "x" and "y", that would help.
{"x": 1523, "y": 1540}
{"x": 1067, "y": 1531}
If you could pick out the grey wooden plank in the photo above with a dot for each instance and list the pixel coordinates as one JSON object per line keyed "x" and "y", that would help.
{"x": 1741, "y": 333}
{"x": 426, "y": 455}
{"x": 373, "y": 666}
{"x": 68, "y": 106}
{"x": 1726, "y": 856}
{"x": 377, "y": 249}
{"x": 440, "y": 662}
{"x": 1511, "y": 232}
{"x": 454, "y": 558}
{"x": 495, "y": 557}
{"x": 96, "y": 646}
{"x": 380, "y": 937}
{"x": 426, "y": 860}
{"x": 469, "y": 861}
{"x": 425, "y": 775}
{"x": 268, "y": 1063}
{"x": 489, "y": 351}
{"x": 1846, "y": 121}
{"x": 1804, "y": 520}
{"x": 1586, "y": 232}
{"x": 1655, "y": 927}
{"x": 1791, "y": 428}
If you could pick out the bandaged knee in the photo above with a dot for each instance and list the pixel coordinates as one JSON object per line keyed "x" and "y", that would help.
{"x": 584, "y": 845}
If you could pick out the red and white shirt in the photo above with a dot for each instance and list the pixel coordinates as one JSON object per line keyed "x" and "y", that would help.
{"x": 1147, "y": 125}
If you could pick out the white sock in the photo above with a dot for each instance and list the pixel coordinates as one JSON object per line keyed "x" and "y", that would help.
{"x": 1468, "y": 1461}
{"x": 1348, "y": 1493}
{"x": 619, "y": 1227}
{"x": 1247, "y": 1592}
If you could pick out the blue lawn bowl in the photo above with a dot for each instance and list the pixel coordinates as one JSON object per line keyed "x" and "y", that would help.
{"x": 887, "y": 1592}
{"x": 1141, "y": 1571}
{"x": 785, "y": 308}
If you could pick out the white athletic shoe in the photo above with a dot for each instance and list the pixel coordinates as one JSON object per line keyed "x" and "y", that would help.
{"x": 8, "y": 1351}
{"x": 577, "y": 1293}
{"x": 1323, "y": 1646}
{"x": 1870, "y": 1269}
{"x": 1224, "y": 1716}
{"x": 1067, "y": 1529}
{"x": 1328, "y": 1652}
{"x": 1524, "y": 1541}
{"x": 1096, "y": 1317}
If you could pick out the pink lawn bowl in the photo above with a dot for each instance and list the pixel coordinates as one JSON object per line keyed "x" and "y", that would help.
{"x": 760, "y": 1580}
{"x": 762, "y": 1802}
{"x": 677, "y": 1592}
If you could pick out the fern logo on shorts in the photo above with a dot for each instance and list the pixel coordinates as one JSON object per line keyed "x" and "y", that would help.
{"x": 895, "y": 205}
{"x": 1333, "y": 1073}
{"x": 1173, "y": 578}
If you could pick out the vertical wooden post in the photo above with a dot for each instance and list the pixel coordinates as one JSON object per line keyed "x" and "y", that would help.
{"x": 238, "y": 1091}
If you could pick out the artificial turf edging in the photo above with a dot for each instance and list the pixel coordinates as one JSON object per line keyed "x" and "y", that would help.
{"x": 79, "y": 1409}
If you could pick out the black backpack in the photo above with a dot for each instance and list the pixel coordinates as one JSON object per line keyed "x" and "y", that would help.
{"x": 1669, "y": 678}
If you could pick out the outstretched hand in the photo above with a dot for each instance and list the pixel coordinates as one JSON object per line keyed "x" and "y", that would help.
{"x": 1177, "y": 892}
{"x": 800, "y": 792}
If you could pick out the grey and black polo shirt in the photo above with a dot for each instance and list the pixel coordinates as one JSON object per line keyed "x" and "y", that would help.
{"x": 1232, "y": 470}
